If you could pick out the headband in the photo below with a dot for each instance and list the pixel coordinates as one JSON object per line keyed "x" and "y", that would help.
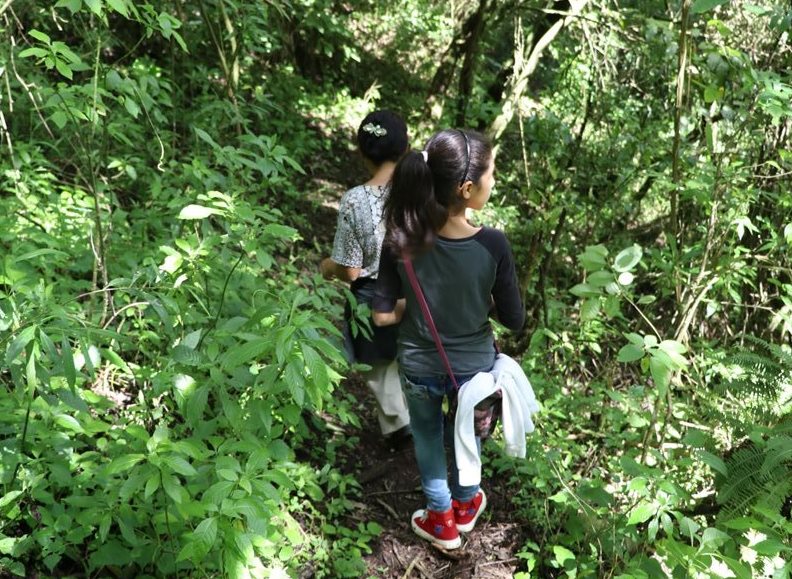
{"x": 467, "y": 159}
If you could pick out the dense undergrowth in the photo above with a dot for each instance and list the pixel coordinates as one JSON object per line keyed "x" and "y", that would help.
{"x": 168, "y": 354}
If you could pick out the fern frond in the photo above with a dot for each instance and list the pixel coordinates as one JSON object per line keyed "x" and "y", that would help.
{"x": 779, "y": 451}
{"x": 742, "y": 482}
{"x": 755, "y": 477}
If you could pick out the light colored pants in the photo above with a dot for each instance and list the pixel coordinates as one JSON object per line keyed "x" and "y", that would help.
{"x": 383, "y": 380}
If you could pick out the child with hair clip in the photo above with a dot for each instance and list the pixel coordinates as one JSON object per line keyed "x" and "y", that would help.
{"x": 382, "y": 140}
{"x": 466, "y": 274}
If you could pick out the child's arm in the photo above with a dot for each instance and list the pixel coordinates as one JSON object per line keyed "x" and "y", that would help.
{"x": 388, "y": 304}
{"x": 330, "y": 269}
{"x": 390, "y": 318}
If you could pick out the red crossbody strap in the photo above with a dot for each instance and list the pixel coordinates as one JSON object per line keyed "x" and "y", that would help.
{"x": 419, "y": 295}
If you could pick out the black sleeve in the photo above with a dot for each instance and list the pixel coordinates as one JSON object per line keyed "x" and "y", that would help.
{"x": 388, "y": 283}
{"x": 506, "y": 291}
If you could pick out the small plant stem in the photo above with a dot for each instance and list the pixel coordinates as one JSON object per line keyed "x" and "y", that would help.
{"x": 23, "y": 441}
{"x": 222, "y": 300}
{"x": 645, "y": 319}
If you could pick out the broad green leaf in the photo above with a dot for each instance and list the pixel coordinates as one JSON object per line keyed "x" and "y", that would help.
{"x": 95, "y": 6}
{"x": 119, "y": 6}
{"x": 295, "y": 381}
{"x": 562, "y": 554}
{"x": 634, "y": 338}
{"x": 172, "y": 488}
{"x": 594, "y": 257}
{"x": 7, "y": 546}
{"x": 117, "y": 361}
{"x": 34, "y": 52}
{"x": 771, "y": 547}
{"x": 661, "y": 373}
{"x": 713, "y": 93}
{"x": 641, "y": 513}
{"x": 589, "y": 308}
{"x": 104, "y": 526}
{"x": 204, "y": 136}
{"x": 152, "y": 485}
{"x": 40, "y": 36}
{"x": 701, "y": 6}
{"x": 8, "y": 498}
{"x": 280, "y": 231}
{"x": 180, "y": 465}
{"x": 630, "y": 353}
{"x": 20, "y": 343}
{"x": 599, "y": 278}
{"x": 675, "y": 351}
{"x": 205, "y": 535}
{"x": 197, "y": 212}
{"x": 196, "y": 405}
{"x": 68, "y": 422}
{"x": 73, "y": 5}
{"x": 124, "y": 463}
{"x": 584, "y": 290}
{"x": 612, "y": 306}
{"x": 628, "y": 258}
{"x": 192, "y": 339}
{"x": 688, "y": 527}
{"x": 713, "y": 537}
{"x": 187, "y": 356}
{"x": 244, "y": 353}
{"x": 64, "y": 68}
{"x": 227, "y": 474}
{"x": 180, "y": 41}
{"x": 49, "y": 347}
{"x": 68, "y": 362}
{"x": 59, "y": 118}
{"x": 133, "y": 109}
{"x": 715, "y": 462}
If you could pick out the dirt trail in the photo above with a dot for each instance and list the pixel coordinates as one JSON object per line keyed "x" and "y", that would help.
{"x": 392, "y": 492}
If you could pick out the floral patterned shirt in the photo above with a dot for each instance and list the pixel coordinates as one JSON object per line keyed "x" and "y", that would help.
{"x": 361, "y": 229}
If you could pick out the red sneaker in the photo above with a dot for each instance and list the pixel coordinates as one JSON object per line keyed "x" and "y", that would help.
{"x": 437, "y": 528}
{"x": 466, "y": 514}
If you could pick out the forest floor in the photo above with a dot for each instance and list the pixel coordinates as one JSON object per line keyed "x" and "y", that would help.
{"x": 391, "y": 488}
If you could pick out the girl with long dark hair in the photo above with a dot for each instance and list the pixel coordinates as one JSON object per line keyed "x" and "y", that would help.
{"x": 382, "y": 140}
{"x": 467, "y": 275}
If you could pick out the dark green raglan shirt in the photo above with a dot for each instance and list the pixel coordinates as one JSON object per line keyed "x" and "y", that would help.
{"x": 461, "y": 278}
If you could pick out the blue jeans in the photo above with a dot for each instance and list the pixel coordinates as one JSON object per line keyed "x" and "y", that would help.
{"x": 431, "y": 436}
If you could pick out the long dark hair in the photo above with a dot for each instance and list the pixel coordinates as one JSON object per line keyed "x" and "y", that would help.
{"x": 424, "y": 191}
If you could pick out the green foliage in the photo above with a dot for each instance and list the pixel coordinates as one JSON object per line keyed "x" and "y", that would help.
{"x": 169, "y": 360}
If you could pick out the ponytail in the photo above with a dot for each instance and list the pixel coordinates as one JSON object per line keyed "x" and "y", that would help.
{"x": 425, "y": 188}
{"x": 412, "y": 214}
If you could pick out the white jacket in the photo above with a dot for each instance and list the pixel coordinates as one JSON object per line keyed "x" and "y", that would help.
{"x": 519, "y": 405}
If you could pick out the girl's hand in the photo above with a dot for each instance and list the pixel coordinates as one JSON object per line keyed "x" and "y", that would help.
{"x": 327, "y": 268}
{"x": 330, "y": 269}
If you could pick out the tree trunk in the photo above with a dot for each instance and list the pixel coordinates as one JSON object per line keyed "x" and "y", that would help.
{"x": 444, "y": 74}
{"x": 525, "y": 62}
{"x": 472, "y": 40}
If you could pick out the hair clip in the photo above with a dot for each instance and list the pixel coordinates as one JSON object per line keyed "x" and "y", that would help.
{"x": 375, "y": 130}
{"x": 425, "y": 155}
